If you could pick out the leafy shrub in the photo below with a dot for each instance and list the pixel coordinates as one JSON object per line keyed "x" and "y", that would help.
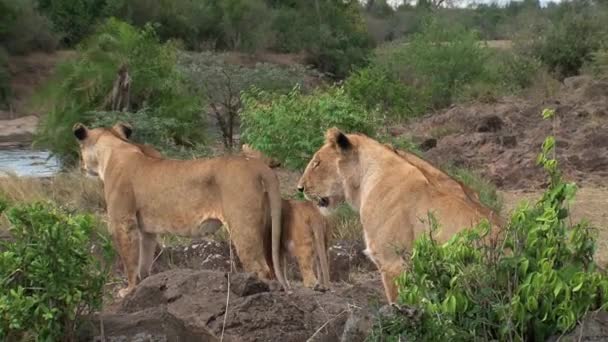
{"x": 83, "y": 85}
{"x": 48, "y": 274}
{"x": 343, "y": 42}
{"x": 570, "y": 41}
{"x": 378, "y": 89}
{"x": 598, "y": 65}
{"x": 156, "y": 131}
{"x": 74, "y": 19}
{"x": 222, "y": 83}
{"x": 24, "y": 29}
{"x": 426, "y": 72}
{"x": 467, "y": 290}
{"x": 290, "y": 127}
{"x": 242, "y": 25}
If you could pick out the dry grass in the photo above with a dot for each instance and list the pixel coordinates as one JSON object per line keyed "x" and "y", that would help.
{"x": 71, "y": 189}
{"x": 345, "y": 225}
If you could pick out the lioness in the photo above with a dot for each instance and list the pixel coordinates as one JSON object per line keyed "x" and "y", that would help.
{"x": 305, "y": 235}
{"x": 146, "y": 196}
{"x": 305, "y": 232}
{"x": 392, "y": 196}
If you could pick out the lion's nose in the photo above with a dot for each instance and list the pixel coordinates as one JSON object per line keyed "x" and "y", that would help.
{"x": 300, "y": 188}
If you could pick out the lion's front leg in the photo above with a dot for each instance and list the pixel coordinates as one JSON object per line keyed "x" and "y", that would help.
{"x": 126, "y": 238}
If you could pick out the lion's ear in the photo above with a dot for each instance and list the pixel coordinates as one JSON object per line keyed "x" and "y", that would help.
{"x": 338, "y": 139}
{"x": 80, "y": 131}
{"x": 123, "y": 129}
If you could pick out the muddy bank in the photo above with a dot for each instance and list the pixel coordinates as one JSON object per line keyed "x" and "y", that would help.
{"x": 502, "y": 140}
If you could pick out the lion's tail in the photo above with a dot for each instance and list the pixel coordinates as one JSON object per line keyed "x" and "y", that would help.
{"x": 274, "y": 197}
{"x": 320, "y": 234}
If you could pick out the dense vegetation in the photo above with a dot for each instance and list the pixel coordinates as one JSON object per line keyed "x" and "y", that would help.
{"x": 48, "y": 275}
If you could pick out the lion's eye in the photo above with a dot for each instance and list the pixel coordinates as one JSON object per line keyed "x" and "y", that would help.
{"x": 315, "y": 164}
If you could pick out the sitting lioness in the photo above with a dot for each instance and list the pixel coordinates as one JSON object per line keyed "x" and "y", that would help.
{"x": 146, "y": 195}
{"x": 305, "y": 233}
{"x": 393, "y": 198}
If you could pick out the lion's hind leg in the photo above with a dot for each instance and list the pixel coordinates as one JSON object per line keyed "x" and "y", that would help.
{"x": 147, "y": 247}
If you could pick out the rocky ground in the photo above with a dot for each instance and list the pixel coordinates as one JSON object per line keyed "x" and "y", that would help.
{"x": 503, "y": 139}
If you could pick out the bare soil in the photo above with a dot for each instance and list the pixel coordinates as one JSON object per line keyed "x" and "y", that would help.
{"x": 502, "y": 140}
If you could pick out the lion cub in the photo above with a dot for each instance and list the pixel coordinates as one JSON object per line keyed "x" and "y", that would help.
{"x": 305, "y": 233}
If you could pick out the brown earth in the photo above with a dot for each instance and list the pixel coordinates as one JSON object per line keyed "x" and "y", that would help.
{"x": 502, "y": 140}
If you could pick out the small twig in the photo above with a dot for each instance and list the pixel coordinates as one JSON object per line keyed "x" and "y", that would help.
{"x": 326, "y": 323}
{"x": 103, "y": 333}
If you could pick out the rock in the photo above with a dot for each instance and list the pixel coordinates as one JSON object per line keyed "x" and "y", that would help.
{"x": 507, "y": 141}
{"x": 358, "y": 325}
{"x": 346, "y": 257}
{"x": 153, "y": 324}
{"x": 490, "y": 123}
{"x": 576, "y": 82}
{"x": 593, "y": 327}
{"x": 194, "y": 302}
{"x": 246, "y": 284}
{"x": 428, "y": 144}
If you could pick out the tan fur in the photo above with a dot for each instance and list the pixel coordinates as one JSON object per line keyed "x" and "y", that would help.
{"x": 305, "y": 230}
{"x": 305, "y": 235}
{"x": 146, "y": 196}
{"x": 393, "y": 195}
{"x": 250, "y": 152}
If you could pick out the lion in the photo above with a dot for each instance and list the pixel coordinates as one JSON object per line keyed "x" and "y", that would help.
{"x": 393, "y": 197}
{"x": 305, "y": 233}
{"x": 438, "y": 177}
{"x": 250, "y": 152}
{"x": 146, "y": 196}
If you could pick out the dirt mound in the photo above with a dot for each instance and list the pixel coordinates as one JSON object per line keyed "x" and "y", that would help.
{"x": 190, "y": 305}
{"x": 346, "y": 259}
{"x": 502, "y": 140}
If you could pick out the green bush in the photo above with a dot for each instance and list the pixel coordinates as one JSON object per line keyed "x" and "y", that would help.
{"x": 193, "y": 22}
{"x": 571, "y": 40}
{"x": 49, "y": 277}
{"x": 423, "y": 74}
{"x": 149, "y": 129}
{"x": 83, "y": 84}
{"x": 74, "y": 19}
{"x": 290, "y": 128}
{"x": 378, "y": 89}
{"x": 598, "y": 65}
{"x": 342, "y": 43}
{"x": 467, "y": 290}
{"x": 23, "y": 29}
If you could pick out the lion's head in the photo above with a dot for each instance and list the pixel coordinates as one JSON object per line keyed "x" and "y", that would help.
{"x": 326, "y": 177}
{"x": 87, "y": 141}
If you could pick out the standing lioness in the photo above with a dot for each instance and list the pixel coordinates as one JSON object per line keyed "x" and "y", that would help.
{"x": 146, "y": 196}
{"x": 391, "y": 195}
